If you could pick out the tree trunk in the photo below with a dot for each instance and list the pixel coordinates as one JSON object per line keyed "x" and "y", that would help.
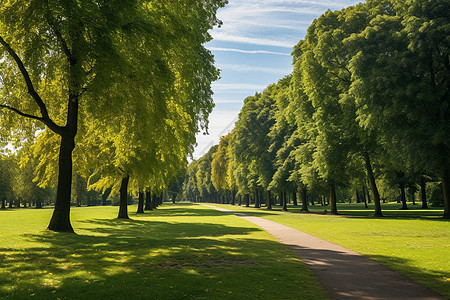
{"x": 373, "y": 186}
{"x": 38, "y": 203}
{"x": 269, "y": 201}
{"x": 233, "y": 198}
{"x": 294, "y": 197}
{"x": 123, "y": 210}
{"x": 403, "y": 196}
{"x": 333, "y": 205}
{"x": 140, "y": 209}
{"x": 423, "y": 192}
{"x": 364, "y": 197}
{"x": 304, "y": 199}
{"x": 3, "y": 203}
{"x": 174, "y": 198}
{"x": 240, "y": 199}
{"x": 60, "y": 220}
{"x": 412, "y": 195}
{"x": 148, "y": 201}
{"x": 284, "y": 200}
{"x": 247, "y": 200}
{"x": 154, "y": 205}
{"x": 257, "y": 199}
{"x": 161, "y": 199}
{"x": 446, "y": 191}
{"x": 105, "y": 196}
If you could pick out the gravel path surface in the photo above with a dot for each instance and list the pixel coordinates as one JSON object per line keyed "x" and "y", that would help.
{"x": 345, "y": 274}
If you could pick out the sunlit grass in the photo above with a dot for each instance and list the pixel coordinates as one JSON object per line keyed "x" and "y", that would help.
{"x": 177, "y": 252}
{"x": 413, "y": 242}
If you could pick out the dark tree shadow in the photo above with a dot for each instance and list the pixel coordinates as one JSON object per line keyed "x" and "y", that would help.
{"x": 143, "y": 259}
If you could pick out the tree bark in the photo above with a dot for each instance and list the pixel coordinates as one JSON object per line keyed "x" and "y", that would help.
{"x": 257, "y": 199}
{"x": 105, "y": 196}
{"x": 3, "y": 203}
{"x": 269, "y": 201}
{"x": 38, "y": 203}
{"x": 247, "y": 200}
{"x": 233, "y": 198}
{"x": 294, "y": 197}
{"x": 123, "y": 210}
{"x": 403, "y": 196}
{"x": 284, "y": 200}
{"x": 446, "y": 191}
{"x": 148, "y": 201}
{"x": 304, "y": 199}
{"x": 423, "y": 192}
{"x": 412, "y": 195}
{"x": 154, "y": 204}
{"x": 333, "y": 205}
{"x": 174, "y": 198}
{"x": 373, "y": 186}
{"x": 364, "y": 197}
{"x": 60, "y": 220}
{"x": 140, "y": 209}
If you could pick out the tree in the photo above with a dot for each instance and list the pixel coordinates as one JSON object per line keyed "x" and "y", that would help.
{"x": 203, "y": 175}
{"x": 401, "y": 85}
{"x": 58, "y": 64}
{"x": 219, "y": 166}
{"x": 326, "y": 81}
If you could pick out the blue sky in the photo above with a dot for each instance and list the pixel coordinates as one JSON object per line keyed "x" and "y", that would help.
{"x": 252, "y": 49}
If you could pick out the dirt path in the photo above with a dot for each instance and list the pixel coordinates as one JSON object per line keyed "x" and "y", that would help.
{"x": 344, "y": 273}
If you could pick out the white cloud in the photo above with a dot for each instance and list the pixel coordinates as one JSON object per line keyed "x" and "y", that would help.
{"x": 227, "y": 87}
{"x": 227, "y": 101}
{"x": 220, "y": 36}
{"x": 248, "y": 51}
{"x": 223, "y": 124}
{"x": 243, "y": 18}
{"x": 248, "y": 68}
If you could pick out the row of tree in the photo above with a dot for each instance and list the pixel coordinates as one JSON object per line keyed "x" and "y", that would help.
{"x": 126, "y": 81}
{"x": 366, "y": 107}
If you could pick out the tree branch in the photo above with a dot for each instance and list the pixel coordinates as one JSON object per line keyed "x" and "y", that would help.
{"x": 60, "y": 38}
{"x": 45, "y": 117}
{"x": 21, "y": 113}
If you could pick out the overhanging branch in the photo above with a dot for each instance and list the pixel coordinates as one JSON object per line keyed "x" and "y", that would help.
{"x": 20, "y": 112}
{"x": 45, "y": 117}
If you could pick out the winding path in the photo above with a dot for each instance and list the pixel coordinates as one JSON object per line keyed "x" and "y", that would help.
{"x": 345, "y": 274}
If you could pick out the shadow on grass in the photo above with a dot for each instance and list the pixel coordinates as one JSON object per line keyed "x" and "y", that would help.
{"x": 390, "y": 211}
{"x": 191, "y": 209}
{"x": 144, "y": 259}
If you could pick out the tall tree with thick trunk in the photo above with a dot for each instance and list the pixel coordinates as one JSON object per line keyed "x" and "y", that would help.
{"x": 123, "y": 200}
{"x": 401, "y": 85}
{"x": 58, "y": 66}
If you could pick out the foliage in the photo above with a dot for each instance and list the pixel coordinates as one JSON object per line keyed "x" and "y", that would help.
{"x": 367, "y": 102}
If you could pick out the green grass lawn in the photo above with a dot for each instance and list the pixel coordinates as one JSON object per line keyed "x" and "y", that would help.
{"x": 177, "y": 252}
{"x": 414, "y": 242}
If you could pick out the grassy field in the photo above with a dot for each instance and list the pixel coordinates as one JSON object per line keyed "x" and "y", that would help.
{"x": 414, "y": 242}
{"x": 178, "y": 252}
